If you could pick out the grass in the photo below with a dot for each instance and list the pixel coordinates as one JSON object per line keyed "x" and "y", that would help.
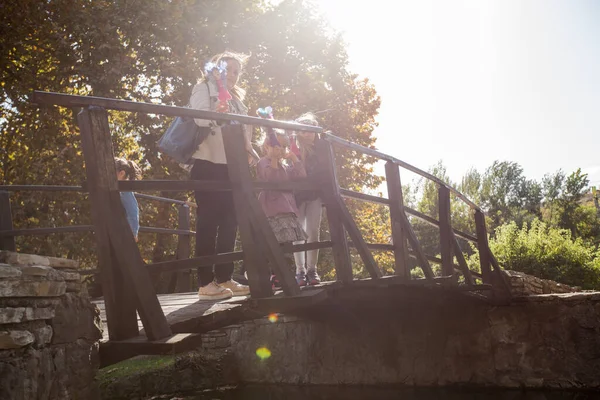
{"x": 133, "y": 366}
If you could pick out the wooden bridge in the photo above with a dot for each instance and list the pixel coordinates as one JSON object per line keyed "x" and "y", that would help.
{"x": 173, "y": 323}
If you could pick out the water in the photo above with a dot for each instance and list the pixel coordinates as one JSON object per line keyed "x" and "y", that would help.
{"x": 285, "y": 392}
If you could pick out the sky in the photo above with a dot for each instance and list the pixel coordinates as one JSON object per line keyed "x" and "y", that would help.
{"x": 473, "y": 81}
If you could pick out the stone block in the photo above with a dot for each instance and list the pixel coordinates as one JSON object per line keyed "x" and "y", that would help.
{"x": 36, "y": 270}
{"x": 32, "y": 288}
{"x": 15, "y": 315}
{"x": 70, "y": 275}
{"x": 15, "y": 339}
{"x": 7, "y": 271}
{"x": 10, "y": 257}
{"x": 76, "y": 318}
{"x": 43, "y": 335}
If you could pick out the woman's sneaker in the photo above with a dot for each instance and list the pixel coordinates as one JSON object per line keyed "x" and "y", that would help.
{"x": 301, "y": 280}
{"x": 237, "y": 288}
{"x": 212, "y": 291}
{"x": 312, "y": 277}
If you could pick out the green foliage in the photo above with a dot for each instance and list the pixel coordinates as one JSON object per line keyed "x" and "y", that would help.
{"x": 547, "y": 252}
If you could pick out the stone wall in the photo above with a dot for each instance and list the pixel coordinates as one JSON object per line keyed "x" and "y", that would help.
{"x": 525, "y": 285}
{"x": 49, "y": 330}
{"x": 550, "y": 341}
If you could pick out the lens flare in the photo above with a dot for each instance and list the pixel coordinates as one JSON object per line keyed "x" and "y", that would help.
{"x": 273, "y": 318}
{"x": 263, "y": 353}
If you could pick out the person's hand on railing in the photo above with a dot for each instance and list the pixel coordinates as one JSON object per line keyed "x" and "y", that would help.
{"x": 222, "y": 107}
{"x": 290, "y": 155}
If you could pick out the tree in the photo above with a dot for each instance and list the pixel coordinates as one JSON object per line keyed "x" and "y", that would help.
{"x": 546, "y": 252}
{"x": 154, "y": 51}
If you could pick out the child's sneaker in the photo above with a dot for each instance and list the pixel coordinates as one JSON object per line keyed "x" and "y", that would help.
{"x": 301, "y": 280}
{"x": 275, "y": 282}
{"x": 312, "y": 277}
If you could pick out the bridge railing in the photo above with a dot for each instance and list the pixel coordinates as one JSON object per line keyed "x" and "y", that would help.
{"x": 125, "y": 277}
{"x": 177, "y": 282}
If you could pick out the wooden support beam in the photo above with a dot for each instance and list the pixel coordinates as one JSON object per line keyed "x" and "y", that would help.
{"x": 446, "y": 234}
{"x": 358, "y": 240}
{"x": 253, "y": 236}
{"x": 483, "y": 247}
{"x": 119, "y": 302}
{"x": 394, "y": 187}
{"x": 114, "y": 351}
{"x": 134, "y": 289}
{"x": 6, "y": 224}
{"x": 330, "y": 187}
{"x": 462, "y": 263}
{"x": 181, "y": 281}
{"x": 417, "y": 249}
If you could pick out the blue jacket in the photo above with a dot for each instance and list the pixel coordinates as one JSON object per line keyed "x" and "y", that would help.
{"x": 132, "y": 211}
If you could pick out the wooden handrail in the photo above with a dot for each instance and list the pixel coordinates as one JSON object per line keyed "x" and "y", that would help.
{"x": 374, "y": 153}
{"x": 73, "y": 101}
{"x": 426, "y": 218}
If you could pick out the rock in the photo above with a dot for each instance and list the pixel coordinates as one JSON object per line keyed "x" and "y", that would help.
{"x": 15, "y": 315}
{"x": 69, "y": 275}
{"x": 43, "y": 336}
{"x": 13, "y": 258}
{"x": 32, "y": 288}
{"x": 7, "y": 271}
{"x": 75, "y": 287}
{"x": 36, "y": 270}
{"x": 15, "y": 339}
{"x": 76, "y": 318}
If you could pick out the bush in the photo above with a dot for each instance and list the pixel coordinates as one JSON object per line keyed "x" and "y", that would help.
{"x": 548, "y": 253}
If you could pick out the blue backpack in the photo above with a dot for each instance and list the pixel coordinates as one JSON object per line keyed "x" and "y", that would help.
{"x": 182, "y": 138}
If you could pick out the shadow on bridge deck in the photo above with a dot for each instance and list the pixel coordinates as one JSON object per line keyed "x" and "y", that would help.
{"x": 189, "y": 317}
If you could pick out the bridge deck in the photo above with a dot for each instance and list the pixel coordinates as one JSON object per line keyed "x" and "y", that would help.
{"x": 189, "y": 317}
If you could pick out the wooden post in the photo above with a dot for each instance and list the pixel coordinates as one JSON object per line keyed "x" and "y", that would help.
{"x": 126, "y": 282}
{"x": 255, "y": 259}
{"x": 483, "y": 247}
{"x": 462, "y": 263}
{"x": 446, "y": 235}
{"x": 6, "y": 224}
{"x": 394, "y": 187}
{"x": 181, "y": 280}
{"x": 341, "y": 253}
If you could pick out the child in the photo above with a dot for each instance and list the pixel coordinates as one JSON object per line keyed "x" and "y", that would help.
{"x": 309, "y": 204}
{"x": 280, "y": 207}
{"x": 128, "y": 170}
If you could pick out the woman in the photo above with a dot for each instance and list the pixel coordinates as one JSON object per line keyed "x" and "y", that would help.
{"x": 216, "y": 224}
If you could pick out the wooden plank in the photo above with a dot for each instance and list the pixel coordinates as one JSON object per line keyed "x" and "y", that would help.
{"x": 182, "y": 279}
{"x": 329, "y": 183}
{"x": 295, "y": 248}
{"x": 114, "y": 351}
{"x": 462, "y": 263}
{"x": 408, "y": 210}
{"x": 119, "y": 233}
{"x": 358, "y": 240}
{"x": 212, "y": 186}
{"x": 42, "y": 188}
{"x": 6, "y": 225}
{"x": 75, "y": 101}
{"x": 417, "y": 249}
{"x": 46, "y": 231}
{"x": 120, "y": 307}
{"x": 374, "y": 153}
{"x": 446, "y": 235}
{"x": 243, "y": 195}
{"x": 192, "y": 263}
{"x": 394, "y": 187}
{"x": 483, "y": 246}
{"x": 166, "y": 231}
{"x": 283, "y": 304}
